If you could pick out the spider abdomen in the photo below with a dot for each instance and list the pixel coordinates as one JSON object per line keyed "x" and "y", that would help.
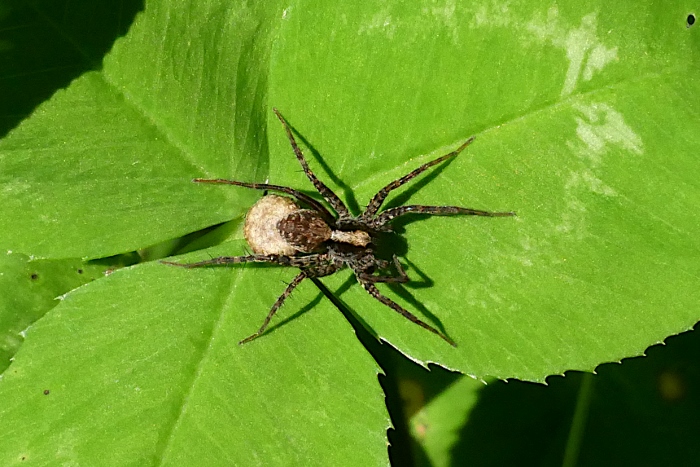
{"x": 304, "y": 229}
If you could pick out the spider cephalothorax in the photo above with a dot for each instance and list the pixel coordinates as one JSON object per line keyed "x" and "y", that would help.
{"x": 320, "y": 243}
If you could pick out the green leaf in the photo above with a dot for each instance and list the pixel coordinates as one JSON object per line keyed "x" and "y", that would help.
{"x": 584, "y": 128}
{"x": 142, "y": 371}
{"x": 31, "y": 288}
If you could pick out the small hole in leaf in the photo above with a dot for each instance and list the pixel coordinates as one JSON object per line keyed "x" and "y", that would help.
{"x": 34, "y": 276}
{"x": 80, "y": 271}
{"x": 690, "y": 20}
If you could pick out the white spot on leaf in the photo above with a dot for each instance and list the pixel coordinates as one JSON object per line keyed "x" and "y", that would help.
{"x": 601, "y": 126}
{"x": 586, "y": 53}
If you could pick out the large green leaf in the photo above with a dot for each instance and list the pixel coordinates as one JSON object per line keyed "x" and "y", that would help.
{"x": 149, "y": 373}
{"x": 584, "y": 128}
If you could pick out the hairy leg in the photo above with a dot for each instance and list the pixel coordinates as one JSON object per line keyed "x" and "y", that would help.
{"x": 315, "y": 205}
{"x": 402, "y": 278}
{"x": 393, "y": 213}
{"x": 287, "y": 292}
{"x": 378, "y": 199}
{"x": 321, "y": 187}
{"x": 294, "y": 261}
{"x": 374, "y": 292}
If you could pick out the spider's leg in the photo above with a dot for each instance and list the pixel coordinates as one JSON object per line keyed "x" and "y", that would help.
{"x": 335, "y": 202}
{"x": 382, "y": 279}
{"x": 297, "y": 280}
{"x": 373, "y": 291}
{"x": 315, "y": 205}
{"x": 400, "y": 269}
{"x": 393, "y": 213}
{"x": 282, "y": 260}
{"x": 401, "y": 279}
{"x": 378, "y": 199}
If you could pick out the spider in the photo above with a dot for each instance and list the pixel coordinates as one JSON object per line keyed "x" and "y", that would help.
{"x": 321, "y": 243}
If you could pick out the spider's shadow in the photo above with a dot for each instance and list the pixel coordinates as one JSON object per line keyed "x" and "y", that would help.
{"x": 398, "y": 289}
{"x": 410, "y": 190}
{"x": 349, "y": 196}
{"x": 391, "y": 243}
{"x": 387, "y": 244}
{"x": 355, "y": 317}
{"x": 423, "y": 283}
{"x": 399, "y": 224}
{"x": 308, "y": 307}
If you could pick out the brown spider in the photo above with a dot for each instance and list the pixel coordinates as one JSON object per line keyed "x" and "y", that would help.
{"x": 320, "y": 243}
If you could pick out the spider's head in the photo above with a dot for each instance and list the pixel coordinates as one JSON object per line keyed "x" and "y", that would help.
{"x": 356, "y": 238}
